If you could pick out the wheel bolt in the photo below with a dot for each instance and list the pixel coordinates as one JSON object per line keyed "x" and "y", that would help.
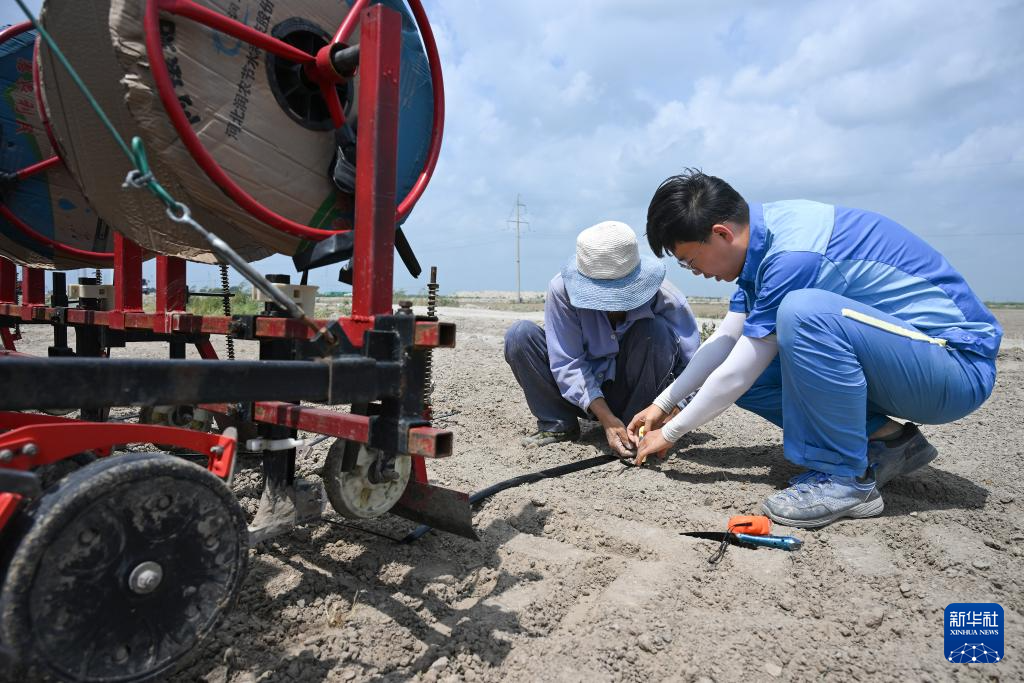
{"x": 145, "y": 578}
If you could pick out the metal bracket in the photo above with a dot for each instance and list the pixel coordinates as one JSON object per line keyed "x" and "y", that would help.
{"x": 243, "y": 326}
{"x": 24, "y": 484}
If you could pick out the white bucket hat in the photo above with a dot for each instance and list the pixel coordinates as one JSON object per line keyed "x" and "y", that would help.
{"x": 607, "y": 272}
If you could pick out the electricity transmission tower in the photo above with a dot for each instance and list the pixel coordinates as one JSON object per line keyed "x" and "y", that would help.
{"x": 519, "y": 223}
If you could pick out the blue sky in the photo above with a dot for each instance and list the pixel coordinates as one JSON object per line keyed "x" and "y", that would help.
{"x": 910, "y": 108}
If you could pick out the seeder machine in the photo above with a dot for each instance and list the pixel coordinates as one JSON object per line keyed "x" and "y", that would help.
{"x": 115, "y": 566}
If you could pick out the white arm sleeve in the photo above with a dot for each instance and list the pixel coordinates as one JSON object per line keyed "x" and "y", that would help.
{"x": 746, "y": 362}
{"x": 709, "y": 356}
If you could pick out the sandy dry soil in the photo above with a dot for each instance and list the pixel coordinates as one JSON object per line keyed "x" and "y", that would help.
{"x": 587, "y": 578}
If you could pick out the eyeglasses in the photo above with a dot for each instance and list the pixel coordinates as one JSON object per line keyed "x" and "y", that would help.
{"x": 689, "y": 264}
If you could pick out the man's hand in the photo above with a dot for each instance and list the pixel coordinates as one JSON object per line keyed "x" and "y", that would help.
{"x": 650, "y": 418}
{"x": 614, "y": 430}
{"x": 653, "y": 442}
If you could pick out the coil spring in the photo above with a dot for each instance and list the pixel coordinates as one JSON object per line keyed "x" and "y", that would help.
{"x": 428, "y": 363}
{"x": 225, "y": 287}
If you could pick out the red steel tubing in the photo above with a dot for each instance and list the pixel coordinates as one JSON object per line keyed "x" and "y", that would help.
{"x": 9, "y": 216}
{"x": 377, "y": 150}
{"x": 127, "y": 274}
{"x": 33, "y": 286}
{"x": 349, "y": 23}
{"x": 165, "y": 88}
{"x": 171, "y": 289}
{"x": 14, "y": 30}
{"x": 325, "y": 77}
{"x": 8, "y": 281}
{"x": 437, "y": 132}
{"x": 38, "y": 167}
{"x": 235, "y": 29}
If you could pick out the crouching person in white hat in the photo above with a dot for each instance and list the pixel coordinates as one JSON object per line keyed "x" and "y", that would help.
{"x": 615, "y": 335}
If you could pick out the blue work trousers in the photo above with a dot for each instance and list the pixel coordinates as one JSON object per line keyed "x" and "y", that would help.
{"x": 649, "y": 359}
{"x": 836, "y": 380}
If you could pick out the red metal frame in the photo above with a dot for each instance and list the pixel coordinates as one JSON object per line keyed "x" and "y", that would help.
{"x": 57, "y": 438}
{"x": 437, "y": 132}
{"x": 318, "y": 67}
{"x": 91, "y": 256}
{"x": 424, "y": 442}
{"x": 8, "y": 281}
{"x": 37, "y": 87}
{"x": 206, "y": 350}
{"x": 171, "y": 288}
{"x": 33, "y": 286}
{"x": 127, "y": 274}
{"x": 8, "y": 294}
{"x": 428, "y": 334}
{"x": 7, "y": 340}
{"x": 377, "y": 147}
{"x": 38, "y": 167}
{"x": 14, "y": 30}
{"x": 43, "y": 165}
{"x": 165, "y": 89}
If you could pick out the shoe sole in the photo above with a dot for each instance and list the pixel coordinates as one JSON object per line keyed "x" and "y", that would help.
{"x": 869, "y": 508}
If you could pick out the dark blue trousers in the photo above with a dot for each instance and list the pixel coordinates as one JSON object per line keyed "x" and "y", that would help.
{"x": 649, "y": 359}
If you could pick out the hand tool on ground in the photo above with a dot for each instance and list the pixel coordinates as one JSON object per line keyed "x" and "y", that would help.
{"x": 755, "y": 533}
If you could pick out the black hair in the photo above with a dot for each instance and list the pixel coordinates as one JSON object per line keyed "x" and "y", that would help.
{"x": 685, "y": 206}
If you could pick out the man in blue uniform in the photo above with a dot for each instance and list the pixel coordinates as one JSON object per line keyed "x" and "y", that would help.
{"x": 615, "y": 334}
{"x": 842, "y": 319}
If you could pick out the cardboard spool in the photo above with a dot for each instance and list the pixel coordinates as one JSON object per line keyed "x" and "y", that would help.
{"x": 262, "y": 123}
{"x": 50, "y": 202}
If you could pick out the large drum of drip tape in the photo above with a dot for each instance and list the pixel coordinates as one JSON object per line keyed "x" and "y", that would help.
{"x": 263, "y": 176}
{"x": 48, "y": 203}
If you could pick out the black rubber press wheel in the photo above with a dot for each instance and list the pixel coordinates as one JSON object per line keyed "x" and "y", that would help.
{"x": 123, "y": 569}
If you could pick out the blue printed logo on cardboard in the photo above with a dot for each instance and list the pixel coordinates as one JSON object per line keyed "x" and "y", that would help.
{"x": 974, "y": 633}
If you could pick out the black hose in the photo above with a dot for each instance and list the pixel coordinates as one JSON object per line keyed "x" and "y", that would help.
{"x": 549, "y": 473}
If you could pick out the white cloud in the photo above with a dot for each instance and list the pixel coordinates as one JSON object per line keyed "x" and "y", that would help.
{"x": 911, "y": 108}
{"x": 585, "y": 109}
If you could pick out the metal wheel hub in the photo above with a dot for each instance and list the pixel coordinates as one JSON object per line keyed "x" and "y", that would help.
{"x": 295, "y": 91}
{"x": 125, "y": 568}
{"x": 354, "y": 485}
{"x": 145, "y": 578}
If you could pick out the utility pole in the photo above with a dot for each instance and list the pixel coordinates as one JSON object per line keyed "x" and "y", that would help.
{"x": 519, "y": 222}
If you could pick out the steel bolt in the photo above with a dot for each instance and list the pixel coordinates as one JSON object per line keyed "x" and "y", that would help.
{"x": 29, "y": 449}
{"x": 6, "y": 455}
{"x": 145, "y": 578}
{"x": 217, "y": 450}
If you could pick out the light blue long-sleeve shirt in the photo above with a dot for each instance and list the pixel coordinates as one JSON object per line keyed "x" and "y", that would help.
{"x": 582, "y": 344}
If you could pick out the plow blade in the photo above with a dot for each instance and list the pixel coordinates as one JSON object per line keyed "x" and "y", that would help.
{"x": 437, "y": 507}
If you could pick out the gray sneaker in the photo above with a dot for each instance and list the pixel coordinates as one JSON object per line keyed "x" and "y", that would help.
{"x": 542, "y": 438}
{"x": 893, "y": 458}
{"x": 821, "y": 499}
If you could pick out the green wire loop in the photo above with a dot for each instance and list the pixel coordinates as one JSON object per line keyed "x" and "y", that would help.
{"x": 141, "y": 162}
